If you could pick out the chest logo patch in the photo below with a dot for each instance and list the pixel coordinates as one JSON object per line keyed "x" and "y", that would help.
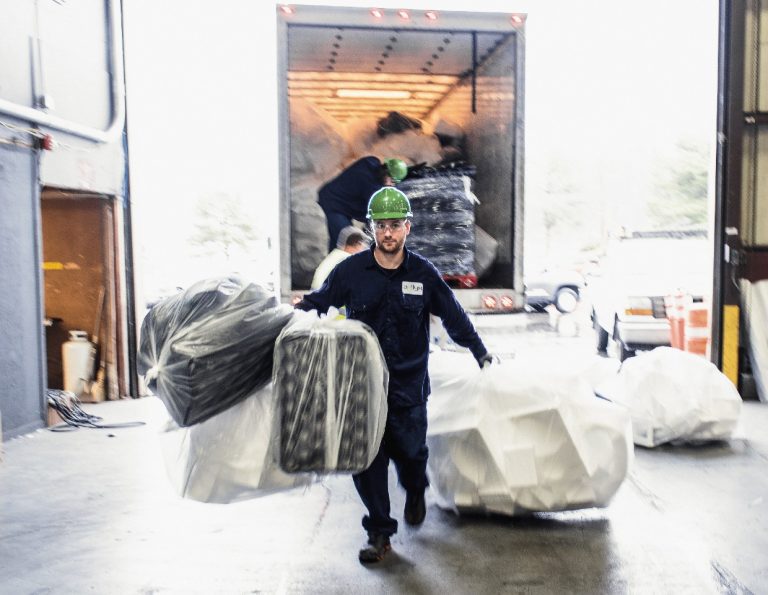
{"x": 413, "y": 288}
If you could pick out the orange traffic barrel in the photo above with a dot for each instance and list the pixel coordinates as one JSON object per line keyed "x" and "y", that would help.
{"x": 697, "y": 328}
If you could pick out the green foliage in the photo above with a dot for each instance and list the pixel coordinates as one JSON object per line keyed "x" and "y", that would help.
{"x": 680, "y": 198}
{"x": 222, "y": 225}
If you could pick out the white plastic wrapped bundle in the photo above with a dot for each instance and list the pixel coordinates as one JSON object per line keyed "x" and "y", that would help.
{"x": 331, "y": 382}
{"x": 209, "y": 347}
{"x": 317, "y": 147}
{"x": 756, "y": 314}
{"x": 412, "y": 146}
{"x": 512, "y": 439}
{"x": 673, "y": 395}
{"x": 360, "y": 134}
{"x": 228, "y": 457}
{"x": 309, "y": 234}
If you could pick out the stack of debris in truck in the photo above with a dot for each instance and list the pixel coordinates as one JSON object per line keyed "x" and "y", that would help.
{"x": 438, "y": 186}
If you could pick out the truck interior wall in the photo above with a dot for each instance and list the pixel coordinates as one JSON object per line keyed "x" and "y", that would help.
{"x": 490, "y": 146}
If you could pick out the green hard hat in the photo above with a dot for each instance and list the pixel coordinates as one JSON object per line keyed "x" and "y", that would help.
{"x": 397, "y": 169}
{"x": 389, "y": 203}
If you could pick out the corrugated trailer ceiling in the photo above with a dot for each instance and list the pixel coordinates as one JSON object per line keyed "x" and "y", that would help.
{"x": 351, "y": 72}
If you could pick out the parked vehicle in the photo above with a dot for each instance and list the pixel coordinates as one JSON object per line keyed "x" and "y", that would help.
{"x": 563, "y": 288}
{"x": 638, "y": 273}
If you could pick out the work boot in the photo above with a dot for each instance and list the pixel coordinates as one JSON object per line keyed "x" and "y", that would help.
{"x": 378, "y": 545}
{"x": 415, "y": 508}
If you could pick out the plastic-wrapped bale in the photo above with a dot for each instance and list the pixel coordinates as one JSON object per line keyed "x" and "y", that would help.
{"x": 331, "y": 383}
{"x": 309, "y": 234}
{"x": 317, "y": 147}
{"x": 443, "y": 226}
{"x": 674, "y": 396}
{"x": 756, "y": 315}
{"x": 211, "y": 346}
{"x": 228, "y": 457}
{"x": 512, "y": 439}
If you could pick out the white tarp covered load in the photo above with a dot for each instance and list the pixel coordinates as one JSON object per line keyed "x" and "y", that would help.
{"x": 512, "y": 439}
{"x": 227, "y": 458}
{"x": 331, "y": 382}
{"x": 756, "y": 316}
{"x": 673, "y": 395}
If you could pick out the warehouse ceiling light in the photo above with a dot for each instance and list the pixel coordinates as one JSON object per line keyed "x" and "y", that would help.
{"x": 374, "y": 93}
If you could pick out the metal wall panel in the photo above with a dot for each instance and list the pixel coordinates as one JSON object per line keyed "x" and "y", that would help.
{"x": 22, "y": 367}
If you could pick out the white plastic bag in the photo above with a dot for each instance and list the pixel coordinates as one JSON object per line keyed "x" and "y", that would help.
{"x": 512, "y": 438}
{"x": 331, "y": 382}
{"x": 673, "y": 395}
{"x": 227, "y": 458}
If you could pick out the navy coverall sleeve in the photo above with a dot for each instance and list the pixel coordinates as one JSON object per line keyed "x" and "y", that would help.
{"x": 455, "y": 319}
{"x": 327, "y": 295}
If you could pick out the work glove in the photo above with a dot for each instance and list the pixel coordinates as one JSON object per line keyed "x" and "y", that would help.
{"x": 487, "y": 360}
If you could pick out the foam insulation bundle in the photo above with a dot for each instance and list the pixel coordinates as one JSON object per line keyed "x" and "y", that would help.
{"x": 227, "y": 457}
{"x": 412, "y": 146}
{"x": 756, "y": 317}
{"x": 331, "y": 382}
{"x": 209, "y": 347}
{"x": 673, "y": 395}
{"x": 443, "y": 224}
{"x": 513, "y": 438}
{"x": 318, "y": 149}
{"x": 309, "y": 232}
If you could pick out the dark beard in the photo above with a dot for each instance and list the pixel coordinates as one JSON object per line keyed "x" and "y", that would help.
{"x": 394, "y": 249}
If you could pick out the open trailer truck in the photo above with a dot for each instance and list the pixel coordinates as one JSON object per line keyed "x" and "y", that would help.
{"x": 439, "y": 89}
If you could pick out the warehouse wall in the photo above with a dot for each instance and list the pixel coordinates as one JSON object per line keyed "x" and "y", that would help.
{"x": 60, "y": 57}
{"x": 22, "y": 366}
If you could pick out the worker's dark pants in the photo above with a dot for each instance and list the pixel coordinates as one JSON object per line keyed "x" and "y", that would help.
{"x": 336, "y": 222}
{"x": 405, "y": 443}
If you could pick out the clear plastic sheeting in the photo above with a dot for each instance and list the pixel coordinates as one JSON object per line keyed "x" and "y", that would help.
{"x": 674, "y": 396}
{"x": 331, "y": 384}
{"x": 443, "y": 226}
{"x": 412, "y": 146}
{"x": 211, "y": 346}
{"x": 513, "y": 439}
{"x": 309, "y": 233}
{"x": 756, "y": 318}
{"x": 318, "y": 150}
{"x": 228, "y": 457}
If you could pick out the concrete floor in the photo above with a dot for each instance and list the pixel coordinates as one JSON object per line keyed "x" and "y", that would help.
{"x": 91, "y": 511}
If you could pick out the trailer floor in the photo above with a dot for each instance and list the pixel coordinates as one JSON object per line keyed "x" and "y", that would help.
{"x": 91, "y": 511}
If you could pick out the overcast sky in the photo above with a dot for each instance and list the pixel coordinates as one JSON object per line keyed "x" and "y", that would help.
{"x": 604, "y": 78}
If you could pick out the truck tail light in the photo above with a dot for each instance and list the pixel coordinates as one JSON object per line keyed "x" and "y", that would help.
{"x": 507, "y": 302}
{"x": 490, "y": 302}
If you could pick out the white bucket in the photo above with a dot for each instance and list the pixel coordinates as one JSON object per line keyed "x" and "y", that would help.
{"x": 78, "y": 356}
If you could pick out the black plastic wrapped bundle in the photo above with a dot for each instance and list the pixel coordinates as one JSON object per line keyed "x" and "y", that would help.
{"x": 211, "y": 346}
{"x": 443, "y": 225}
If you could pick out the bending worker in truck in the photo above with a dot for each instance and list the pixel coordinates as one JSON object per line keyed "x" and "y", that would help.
{"x": 394, "y": 291}
{"x": 346, "y": 196}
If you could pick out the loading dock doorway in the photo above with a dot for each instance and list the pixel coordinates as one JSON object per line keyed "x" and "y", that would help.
{"x": 81, "y": 285}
